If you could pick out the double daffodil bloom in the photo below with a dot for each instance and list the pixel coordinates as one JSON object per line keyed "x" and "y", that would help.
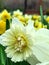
{"x": 18, "y": 42}
{"x": 24, "y": 43}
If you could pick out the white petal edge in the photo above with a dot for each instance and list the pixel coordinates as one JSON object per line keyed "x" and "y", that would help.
{"x": 41, "y": 51}
{"x": 45, "y": 63}
{"x": 41, "y": 46}
{"x": 30, "y": 27}
{"x": 17, "y": 22}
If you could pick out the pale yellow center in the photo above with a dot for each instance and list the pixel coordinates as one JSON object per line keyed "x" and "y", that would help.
{"x": 20, "y": 44}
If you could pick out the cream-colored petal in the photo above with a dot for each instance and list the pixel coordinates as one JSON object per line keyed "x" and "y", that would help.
{"x": 41, "y": 51}
{"x": 45, "y": 63}
{"x": 17, "y": 57}
{"x": 17, "y": 22}
{"x": 41, "y": 45}
{"x": 17, "y": 27}
{"x": 30, "y": 27}
{"x": 27, "y": 53}
{"x": 7, "y": 38}
{"x": 43, "y": 34}
{"x": 10, "y": 52}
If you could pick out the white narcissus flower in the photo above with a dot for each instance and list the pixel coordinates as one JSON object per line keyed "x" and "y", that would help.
{"x": 18, "y": 41}
{"x": 24, "y": 43}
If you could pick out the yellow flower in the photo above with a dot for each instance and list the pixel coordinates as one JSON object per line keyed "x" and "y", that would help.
{"x": 21, "y": 18}
{"x": 17, "y": 13}
{"x": 27, "y": 17}
{"x": 5, "y": 15}
{"x": 47, "y": 19}
{"x": 35, "y": 17}
{"x": 44, "y": 26}
{"x": 0, "y": 15}
{"x": 38, "y": 25}
{"x": 2, "y": 26}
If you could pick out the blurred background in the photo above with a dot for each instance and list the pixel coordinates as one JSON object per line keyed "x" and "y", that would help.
{"x": 29, "y": 6}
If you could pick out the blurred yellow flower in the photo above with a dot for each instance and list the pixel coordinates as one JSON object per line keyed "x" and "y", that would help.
{"x": 35, "y": 17}
{"x": 5, "y": 15}
{"x": 0, "y": 15}
{"x": 21, "y": 18}
{"x": 27, "y": 17}
{"x": 47, "y": 19}
{"x": 2, "y": 26}
{"x": 17, "y": 13}
{"x": 38, "y": 25}
{"x": 44, "y": 26}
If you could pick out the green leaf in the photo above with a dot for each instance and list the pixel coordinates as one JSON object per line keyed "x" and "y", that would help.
{"x": 48, "y": 26}
{"x": 2, "y": 55}
{"x": 22, "y": 63}
{"x": 7, "y": 24}
{"x": 8, "y": 61}
{"x": 42, "y": 16}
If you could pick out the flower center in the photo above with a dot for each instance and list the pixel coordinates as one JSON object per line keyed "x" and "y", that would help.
{"x": 20, "y": 44}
